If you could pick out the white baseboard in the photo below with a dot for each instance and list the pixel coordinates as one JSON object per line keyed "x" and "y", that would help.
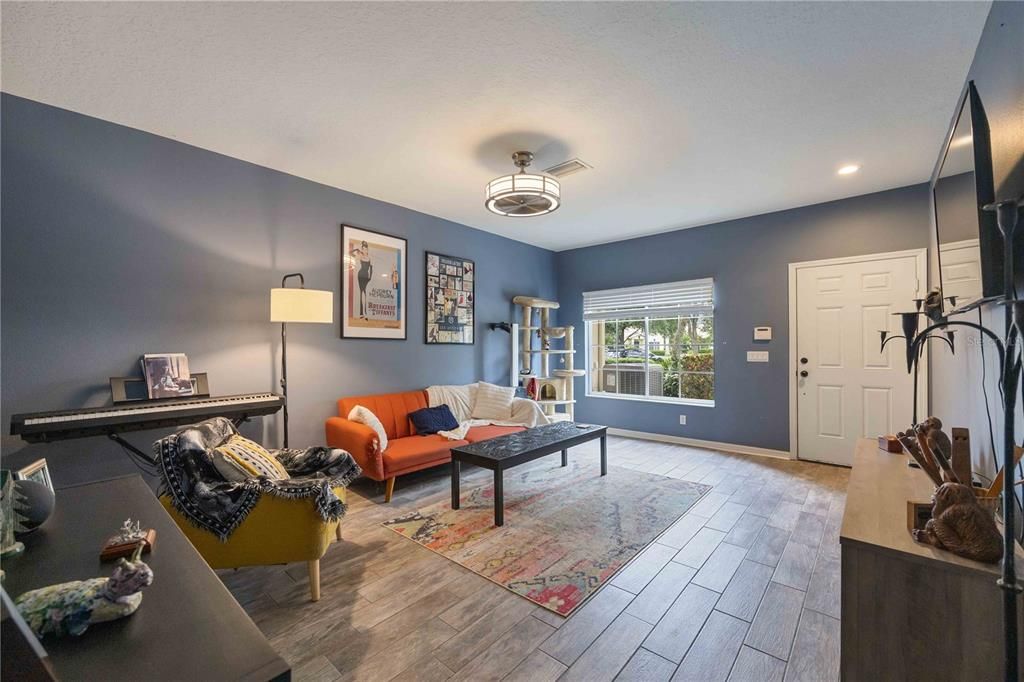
{"x": 697, "y": 443}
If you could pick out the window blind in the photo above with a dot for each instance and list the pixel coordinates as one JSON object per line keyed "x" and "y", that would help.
{"x": 692, "y": 297}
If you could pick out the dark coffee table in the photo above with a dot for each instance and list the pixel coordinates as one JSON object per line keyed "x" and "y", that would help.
{"x": 505, "y": 452}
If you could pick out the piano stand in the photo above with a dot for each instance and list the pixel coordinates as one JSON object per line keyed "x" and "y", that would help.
{"x": 146, "y": 457}
{"x": 116, "y": 437}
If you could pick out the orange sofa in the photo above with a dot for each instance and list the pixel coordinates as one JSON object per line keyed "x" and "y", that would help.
{"x": 407, "y": 451}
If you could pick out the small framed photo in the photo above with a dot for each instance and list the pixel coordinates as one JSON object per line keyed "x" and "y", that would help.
{"x": 36, "y": 471}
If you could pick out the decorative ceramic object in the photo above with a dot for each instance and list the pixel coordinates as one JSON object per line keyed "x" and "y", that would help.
{"x": 936, "y": 447}
{"x": 939, "y": 442}
{"x": 70, "y": 608}
{"x": 35, "y": 504}
{"x": 960, "y": 525}
{"x": 126, "y": 541}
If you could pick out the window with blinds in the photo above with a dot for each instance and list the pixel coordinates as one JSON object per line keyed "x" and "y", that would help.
{"x": 652, "y": 342}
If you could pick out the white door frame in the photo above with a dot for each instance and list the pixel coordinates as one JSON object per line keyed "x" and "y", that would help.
{"x": 922, "y": 268}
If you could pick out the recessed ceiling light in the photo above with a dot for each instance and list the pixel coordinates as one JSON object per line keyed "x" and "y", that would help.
{"x": 849, "y": 170}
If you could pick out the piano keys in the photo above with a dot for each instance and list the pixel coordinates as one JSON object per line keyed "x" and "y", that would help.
{"x": 42, "y": 427}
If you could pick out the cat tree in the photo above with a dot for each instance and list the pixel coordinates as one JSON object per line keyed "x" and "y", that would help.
{"x": 554, "y": 384}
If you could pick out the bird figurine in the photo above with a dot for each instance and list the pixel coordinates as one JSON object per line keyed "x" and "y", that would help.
{"x": 70, "y": 608}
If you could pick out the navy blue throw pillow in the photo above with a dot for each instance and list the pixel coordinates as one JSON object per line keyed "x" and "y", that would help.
{"x": 433, "y": 419}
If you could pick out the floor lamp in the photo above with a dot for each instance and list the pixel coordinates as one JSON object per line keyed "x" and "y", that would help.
{"x": 297, "y": 305}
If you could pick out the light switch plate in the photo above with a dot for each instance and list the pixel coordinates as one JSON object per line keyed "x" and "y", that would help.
{"x": 762, "y": 333}
{"x": 757, "y": 356}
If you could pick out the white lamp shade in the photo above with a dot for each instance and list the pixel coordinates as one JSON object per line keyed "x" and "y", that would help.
{"x": 301, "y": 305}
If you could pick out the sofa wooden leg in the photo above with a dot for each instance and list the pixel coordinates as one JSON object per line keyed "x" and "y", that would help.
{"x": 314, "y": 580}
{"x": 338, "y": 531}
{"x": 389, "y": 489}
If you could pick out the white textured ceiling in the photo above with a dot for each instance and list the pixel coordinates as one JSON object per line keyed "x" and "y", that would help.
{"x": 690, "y": 113}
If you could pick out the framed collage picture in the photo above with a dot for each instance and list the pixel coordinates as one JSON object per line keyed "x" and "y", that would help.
{"x": 373, "y": 284}
{"x": 450, "y": 305}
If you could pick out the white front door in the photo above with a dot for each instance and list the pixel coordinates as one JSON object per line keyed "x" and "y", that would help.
{"x": 961, "y": 270}
{"x": 846, "y": 387}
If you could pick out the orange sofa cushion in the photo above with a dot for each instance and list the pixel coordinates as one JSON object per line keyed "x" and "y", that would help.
{"x": 479, "y": 433}
{"x": 416, "y": 452}
{"x": 392, "y": 409}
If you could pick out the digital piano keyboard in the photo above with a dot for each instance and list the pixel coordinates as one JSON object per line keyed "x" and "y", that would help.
{"x": 42, "y": 427}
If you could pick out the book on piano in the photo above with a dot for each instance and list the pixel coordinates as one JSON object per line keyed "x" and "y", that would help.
{"x": 167, "y": 375}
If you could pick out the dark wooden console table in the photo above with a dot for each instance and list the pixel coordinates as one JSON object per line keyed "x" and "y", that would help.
{"x": 911, "y": 611}
{"x": 188, "y": 627}
{"x": 505, "y": 452}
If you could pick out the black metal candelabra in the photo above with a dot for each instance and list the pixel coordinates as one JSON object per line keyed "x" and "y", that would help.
{"x": 910, "y": 325}
{"x": 1010, "y": 374}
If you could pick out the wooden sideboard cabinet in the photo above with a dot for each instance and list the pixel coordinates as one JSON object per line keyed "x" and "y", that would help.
{"x": 910, "y": 611}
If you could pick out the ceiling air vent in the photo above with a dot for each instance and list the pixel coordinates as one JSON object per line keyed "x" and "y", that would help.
{"x": 560, "y": 170}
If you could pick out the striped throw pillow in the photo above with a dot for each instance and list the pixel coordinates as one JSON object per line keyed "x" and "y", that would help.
{"x": 239, "y": 458}
{"x": 493, "y": 402}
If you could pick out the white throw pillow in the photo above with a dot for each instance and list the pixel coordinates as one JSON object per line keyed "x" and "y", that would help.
{"x": 493, "y": 402}
{"x": 363, "y": 415}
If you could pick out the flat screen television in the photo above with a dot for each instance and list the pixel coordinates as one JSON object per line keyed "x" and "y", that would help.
{"x": 970, "y": 246}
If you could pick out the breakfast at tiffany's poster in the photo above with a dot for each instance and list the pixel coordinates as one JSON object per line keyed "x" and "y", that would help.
{"x": 373, "y": 284}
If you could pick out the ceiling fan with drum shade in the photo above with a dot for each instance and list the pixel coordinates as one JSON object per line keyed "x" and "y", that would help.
{"x": 522, "y": 194}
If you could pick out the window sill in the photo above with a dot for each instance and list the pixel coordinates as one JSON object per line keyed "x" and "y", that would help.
{"x": 693, "y": 402}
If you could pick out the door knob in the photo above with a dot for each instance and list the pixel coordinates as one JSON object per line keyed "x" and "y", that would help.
{"x": 803, "y": 361}
{"x": 803, "y": 372}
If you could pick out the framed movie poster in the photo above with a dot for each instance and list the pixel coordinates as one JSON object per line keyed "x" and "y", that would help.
{"x": 450, "y": 304}
{"x": 373, "y": 286}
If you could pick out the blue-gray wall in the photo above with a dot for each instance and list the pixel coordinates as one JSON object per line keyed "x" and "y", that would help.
{"x": 116, "y": 242}
{"x": 748, "y": 259}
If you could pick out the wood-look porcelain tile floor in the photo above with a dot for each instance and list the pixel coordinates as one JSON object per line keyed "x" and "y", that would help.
{"x": 743, "y": 587}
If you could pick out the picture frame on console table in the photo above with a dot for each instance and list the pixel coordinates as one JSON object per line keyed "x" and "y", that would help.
{"x": 450, "y": 304}
{"x": 37, "y": 471}
{"x": 374, "y": 272}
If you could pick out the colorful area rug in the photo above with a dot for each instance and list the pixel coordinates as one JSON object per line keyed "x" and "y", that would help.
{"x": 567, "y": 530}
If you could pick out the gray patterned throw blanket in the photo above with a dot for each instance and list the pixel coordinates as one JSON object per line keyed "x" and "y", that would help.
{"x": 201, "y": 494}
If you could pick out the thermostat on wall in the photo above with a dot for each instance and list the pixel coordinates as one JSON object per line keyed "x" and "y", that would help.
{"x": 762, "y": 333}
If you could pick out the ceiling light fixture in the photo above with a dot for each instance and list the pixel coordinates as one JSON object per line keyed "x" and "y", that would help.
{"x": 522, "y": 194}
{"x": 848, "y": 170}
